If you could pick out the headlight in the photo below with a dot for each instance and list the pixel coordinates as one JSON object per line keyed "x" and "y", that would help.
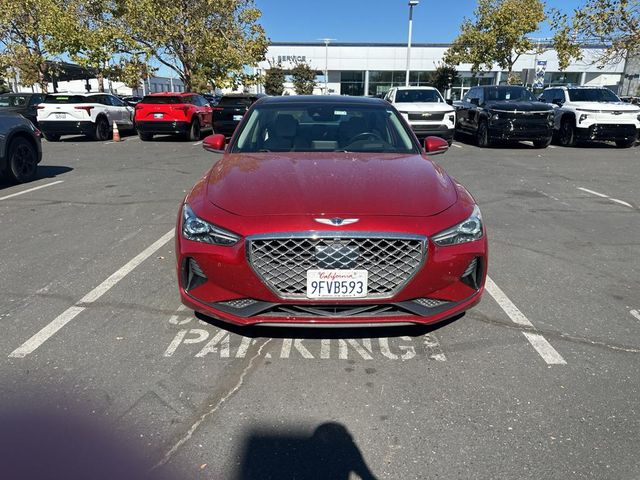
{"x": 583, "y": 117}
{"x": 198, "y": 230}
{"x": 452, "y": 118}
{"x": 467, "y": 231}
{"x": 494, "y": 115}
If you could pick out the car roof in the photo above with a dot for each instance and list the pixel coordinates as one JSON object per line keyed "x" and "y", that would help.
{"x": 244, "y": 95}
{"x": 171, "y": 94}
{"x": 416, "y": 88}
{"x": 579, "y": 87}
{"x": 327, "y": 99}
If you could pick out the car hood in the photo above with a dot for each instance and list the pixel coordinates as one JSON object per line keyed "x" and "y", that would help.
{"x": 607, "y": 106}
{"x": 341, "y": 184}
{"x": 520, "y": 106}
{"x": 14, "y": 109}
{"x": 423, "y": 107}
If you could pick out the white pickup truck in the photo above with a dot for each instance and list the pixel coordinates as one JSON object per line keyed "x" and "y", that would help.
{"x": 425, "y": 110}
{"x": 592, "y": 113}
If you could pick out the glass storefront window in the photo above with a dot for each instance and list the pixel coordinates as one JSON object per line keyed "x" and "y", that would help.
{"x": 352, "y": 83}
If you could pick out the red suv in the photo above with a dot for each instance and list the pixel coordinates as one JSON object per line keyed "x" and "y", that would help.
{"x": 185, "y": 114}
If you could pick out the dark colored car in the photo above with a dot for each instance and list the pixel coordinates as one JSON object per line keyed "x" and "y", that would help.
{"x": 22, "y": 103}
{"x": 20, "y": 148}
{"x": 132, "y": 101}
{"x": 229, "y": 111}
{"x": 185, "y": 114}
{"x": 326, "y": 210}
{"x": 212, "y": 99}
{"x": 505, "y": 112}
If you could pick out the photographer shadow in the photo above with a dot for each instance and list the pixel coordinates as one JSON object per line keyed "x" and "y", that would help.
{"x": 328, "y": 454}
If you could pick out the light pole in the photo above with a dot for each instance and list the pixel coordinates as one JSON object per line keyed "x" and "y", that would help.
{"x": 412, "y": 3}
{"x": 326, "y": 63}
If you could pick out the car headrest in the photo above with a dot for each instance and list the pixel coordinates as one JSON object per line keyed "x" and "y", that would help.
{"x": 285, "y": 126}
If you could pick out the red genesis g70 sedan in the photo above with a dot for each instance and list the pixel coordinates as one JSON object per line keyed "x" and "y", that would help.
{"x": 327, "y": 211}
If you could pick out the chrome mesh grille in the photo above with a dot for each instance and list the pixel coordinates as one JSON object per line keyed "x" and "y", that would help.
{"x": 282, "y": 263}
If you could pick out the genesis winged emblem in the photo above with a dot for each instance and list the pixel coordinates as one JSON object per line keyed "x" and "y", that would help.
{"x": 337, "y": 222}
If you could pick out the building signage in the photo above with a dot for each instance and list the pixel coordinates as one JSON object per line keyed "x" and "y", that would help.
{"x": 292, "y": 58}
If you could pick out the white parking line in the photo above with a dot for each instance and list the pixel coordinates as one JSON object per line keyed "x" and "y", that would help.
{"x": 31, "y": 189}
{"x": 197, "y": 143}
{"x": 456, "y": 145}
{"x": 635, "y": 313}
{"x": 602, "y": 195}
{"x": 542, "y": 346}
{"x": 72, "y": 312}
{"x": 552, "y": 146}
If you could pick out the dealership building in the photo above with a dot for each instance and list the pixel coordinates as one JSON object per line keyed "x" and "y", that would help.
{"x": 373, "y": 68}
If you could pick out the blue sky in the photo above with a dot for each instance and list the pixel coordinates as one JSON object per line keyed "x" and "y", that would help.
{"x": 435, "y": 21}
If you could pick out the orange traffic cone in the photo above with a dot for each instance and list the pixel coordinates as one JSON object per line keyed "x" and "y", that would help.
{"x": 116, "y": 132}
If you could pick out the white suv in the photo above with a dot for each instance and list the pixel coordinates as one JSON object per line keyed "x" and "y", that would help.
{"x": 425, "y": 110}
{"x": 90, "y": 114}
{"x": 592, "y": 113}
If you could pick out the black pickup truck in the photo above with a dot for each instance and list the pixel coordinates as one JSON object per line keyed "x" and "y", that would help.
{"x": 505, "y": 112}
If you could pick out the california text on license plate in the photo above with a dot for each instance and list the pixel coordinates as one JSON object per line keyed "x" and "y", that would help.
{"x": 337, "y": 283}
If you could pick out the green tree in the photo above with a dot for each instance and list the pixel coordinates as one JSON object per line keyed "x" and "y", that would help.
{"x": 303, "y": 78}
{"x": 28, "y": 29}
{"x": 274, "y": 79}
{"x": 615, "y": 23}
{"x": 203, "y": 41}
{"x": 498, "y": 35}
{"x": 444, "y": 76}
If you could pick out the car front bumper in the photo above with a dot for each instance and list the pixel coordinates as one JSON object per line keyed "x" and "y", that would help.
{"x": 163, "y": 127}
{"x": 228, "y": 287}
{"x": 65, "y": 127}
{"x": 514, "y": 130}
{"x": 608, "y": 131}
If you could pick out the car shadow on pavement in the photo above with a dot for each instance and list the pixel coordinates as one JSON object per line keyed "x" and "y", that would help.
{"x": 327, "y": 332}
{"x": 503, "y": 145}
{"x": 44, "y": 171}
{"x": 287, "y": 454}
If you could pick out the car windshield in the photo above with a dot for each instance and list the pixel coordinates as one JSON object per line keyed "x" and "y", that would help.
{"x": 592, "y": 95}
{"x": 242, "y": 101}
{"x": 164, "y": 99}
{"x": 418, "y": 96}
{"x": 508, "y": 93}
{"x": 324, "y": 127}
{"x": 13, "y": 100}
{"x": 66, "y": 99}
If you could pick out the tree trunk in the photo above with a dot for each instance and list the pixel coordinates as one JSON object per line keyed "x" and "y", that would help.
{"x": 42, "y": 69}
{"x": 100, "y": 78}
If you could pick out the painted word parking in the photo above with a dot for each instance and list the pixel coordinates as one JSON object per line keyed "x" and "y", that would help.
{"x": 202, "y": 341}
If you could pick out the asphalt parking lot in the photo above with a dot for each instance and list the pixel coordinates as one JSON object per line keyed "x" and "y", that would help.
{"x": 538, "y": 381}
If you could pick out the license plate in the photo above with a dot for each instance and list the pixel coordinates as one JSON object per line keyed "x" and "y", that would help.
{"x": 237, "y": 118}
{"x": 158, "y": 115}
{"x": 60, "y": 115}
{"x": 337, "y": 283}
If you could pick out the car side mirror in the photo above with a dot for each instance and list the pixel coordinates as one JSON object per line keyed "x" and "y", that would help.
{"x": 475, "y": 101}
{"x": 557, "y": 102}
{"x": 214, "y": 143}
{"x": 435, "y": 145}
{"x": 449, "y": 101}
